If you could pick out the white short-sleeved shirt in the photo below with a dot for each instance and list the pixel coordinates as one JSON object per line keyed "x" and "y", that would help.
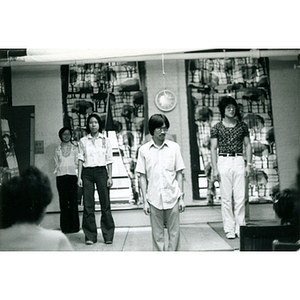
{"x": 95, "y": 152}
{"x": 160, "y": 165}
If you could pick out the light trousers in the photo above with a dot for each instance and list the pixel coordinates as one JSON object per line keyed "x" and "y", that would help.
{"x": 160, "y": 217}
{"x": 232, "y": 188}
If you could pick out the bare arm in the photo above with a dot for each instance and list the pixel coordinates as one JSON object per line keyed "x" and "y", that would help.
{"x": 56, "y": 161}
{"x": 79, "y": 180}
{"x": 248, "y": 150}
{"x": 214, "y": 159}
{"x": 181, "y": 201}
{"x": 143, "y": 186}
{"x": 109, "y": 173}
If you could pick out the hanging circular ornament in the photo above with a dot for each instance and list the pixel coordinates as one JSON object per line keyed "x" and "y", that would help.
{"x": 165, "y": 100}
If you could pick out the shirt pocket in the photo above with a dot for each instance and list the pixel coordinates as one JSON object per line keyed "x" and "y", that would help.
{"x": 169, "y": 164}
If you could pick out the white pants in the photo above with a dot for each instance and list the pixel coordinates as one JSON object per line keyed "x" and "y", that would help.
{"x": 232, "y": 187}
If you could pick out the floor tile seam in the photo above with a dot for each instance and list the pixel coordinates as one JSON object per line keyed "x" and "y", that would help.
{"x": 185, "y": 238}
{"x": 181, "y": 224}
{"x": 232, "y": 247}
{"x": 149, "y": 226}
{"x": 228, "y": 248}
{"x": 125, "y": 239}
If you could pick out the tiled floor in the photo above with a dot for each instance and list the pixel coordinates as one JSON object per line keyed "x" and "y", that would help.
{"x": 133, "y": 232}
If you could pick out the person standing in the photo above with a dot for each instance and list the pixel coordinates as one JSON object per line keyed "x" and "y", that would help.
{"x": 95, "y": 168}
{"x": 227, "y": 139}
{"x": 66, "y": 163}
{"x": 159, "y": 167}
{"x": 203, "y": 139}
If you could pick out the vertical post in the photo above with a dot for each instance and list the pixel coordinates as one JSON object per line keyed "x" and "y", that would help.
{"x": 247, "y": 207}
{"x": 195, "y": 167}
{"x": 7, "y": 84}
{"x": 64, "y": 73}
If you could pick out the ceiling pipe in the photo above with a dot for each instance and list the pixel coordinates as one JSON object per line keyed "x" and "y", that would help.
{"x": 72, "y": 58}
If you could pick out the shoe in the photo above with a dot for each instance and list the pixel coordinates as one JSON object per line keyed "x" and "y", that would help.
{"x": 230, "y": 235}
{"x": 210, "y": 200}
{"x": 108, "y": 242}
{"x": 89, "y": 242}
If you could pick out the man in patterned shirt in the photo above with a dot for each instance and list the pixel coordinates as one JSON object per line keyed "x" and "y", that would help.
{"x": 227, "y": 140}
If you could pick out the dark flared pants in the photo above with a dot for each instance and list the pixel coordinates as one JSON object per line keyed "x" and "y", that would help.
{"x": 67, "y": 191}
{"x": 90, "y": 177}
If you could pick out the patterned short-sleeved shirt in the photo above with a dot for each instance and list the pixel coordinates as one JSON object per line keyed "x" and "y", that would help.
{"x": 203, "y": 139}
{"x": 230, "y": 139}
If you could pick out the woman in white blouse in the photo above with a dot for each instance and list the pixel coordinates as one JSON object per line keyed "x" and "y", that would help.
{"x": 95, "y": 168}
{"x": 66, "y": 162}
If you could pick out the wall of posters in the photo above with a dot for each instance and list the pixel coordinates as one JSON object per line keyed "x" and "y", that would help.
{"x": 247, "y": 80}
{"x": 116, "y": 92}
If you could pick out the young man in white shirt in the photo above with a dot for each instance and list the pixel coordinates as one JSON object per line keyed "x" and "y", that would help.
{"x": 160, "y": 166}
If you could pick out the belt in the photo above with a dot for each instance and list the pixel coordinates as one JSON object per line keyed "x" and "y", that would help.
{"x": 102, "y": 167}
{"x": 231, "y": 154}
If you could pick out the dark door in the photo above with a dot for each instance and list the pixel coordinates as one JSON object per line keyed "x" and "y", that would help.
{"x": 21, "y": 125}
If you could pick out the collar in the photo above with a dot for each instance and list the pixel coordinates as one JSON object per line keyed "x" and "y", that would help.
{"x": 236, "y": 123}
{"x": 61, "y": 143}
{"x": 99, "y": 136}
{"x": 165, "y": 143}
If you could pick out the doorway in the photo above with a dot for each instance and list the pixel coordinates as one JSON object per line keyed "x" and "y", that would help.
{"x": 17, "y": 132}
{"x": 248, "y": 81}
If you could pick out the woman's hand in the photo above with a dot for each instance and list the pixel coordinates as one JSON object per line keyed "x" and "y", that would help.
{"x": 146, "y": 207}
{"x": 79, "y": 182}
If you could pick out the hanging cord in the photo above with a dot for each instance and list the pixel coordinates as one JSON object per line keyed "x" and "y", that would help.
{"x": 163, "y": 71}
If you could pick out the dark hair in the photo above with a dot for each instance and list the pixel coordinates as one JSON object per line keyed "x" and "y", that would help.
{"x": 62, "y": 130}
{"x": 128, "y": 137}
{"x": 204, "y": 114}
{"x": 286, "y": 207}
{"x": 238, "y": 113}
{"x": 97, "y": 117}
{"x": 259, "y": 119}
{"x": 224, "y": 101}
{"x": 157, "y": 121}
{"x": 24, "y": 198}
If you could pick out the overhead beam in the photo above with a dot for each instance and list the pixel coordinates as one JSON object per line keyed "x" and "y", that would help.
{"x": 71, "y": 58}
